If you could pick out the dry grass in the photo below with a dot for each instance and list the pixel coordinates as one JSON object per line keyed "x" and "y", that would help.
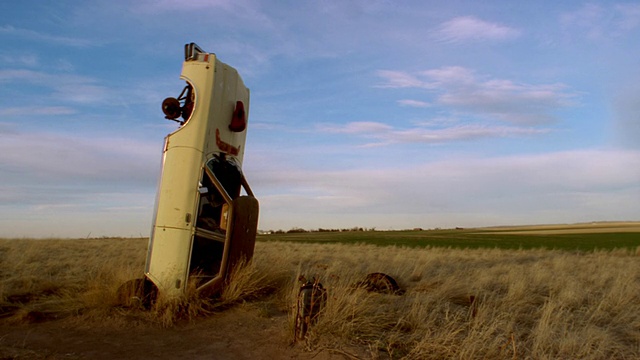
{"x": 54, "y": 278}
{"x": 534, "y": 304}
{"x": 528, "y": 304}
{"x": 247, "y": 282}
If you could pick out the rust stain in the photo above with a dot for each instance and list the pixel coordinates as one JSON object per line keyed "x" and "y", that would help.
{"x": 226, "y": 147}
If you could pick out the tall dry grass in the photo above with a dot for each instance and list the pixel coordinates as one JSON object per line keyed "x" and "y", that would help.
{"x": 458, "y": 304}
{"x": 58, "y": 277}
{"x": 536, "y": 304}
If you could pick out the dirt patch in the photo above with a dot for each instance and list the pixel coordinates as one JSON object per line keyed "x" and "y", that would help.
{"x": 243, "y": 332}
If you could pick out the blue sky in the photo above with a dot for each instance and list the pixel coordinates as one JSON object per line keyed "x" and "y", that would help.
{"x": 385, "y": 114}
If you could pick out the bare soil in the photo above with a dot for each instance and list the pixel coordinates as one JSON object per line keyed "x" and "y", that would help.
{"x": 246, "y": 331}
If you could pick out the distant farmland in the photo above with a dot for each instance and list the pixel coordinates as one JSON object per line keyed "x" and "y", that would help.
{"x": 580, "y": 237}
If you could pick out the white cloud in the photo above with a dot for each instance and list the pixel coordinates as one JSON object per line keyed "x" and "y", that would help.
{"x": 462, "y": 132}
{"x": 9, "y": 30}
{"x": 247, "y": 12}
{"x": 231, "y": 9}
{"x": 599, "y": 22}
{"x": 357, "y": 127}
{"x": 549, "y": 188}
{"x": 428, "y": 132}
{"x": 78, "y": 212}
{"x": 629, "y": 16}
{"x": 71, "y": 185}
{"x": 469, "y": 28}
{"x": 398, "y": 79}
{"x": 28, "y": 60}
{"x": 67, "y": 87}
{"x": 59, "y": 159}
{"x": 174, "y": 5}
{"x": 626, "y": 111}
{"x": 37, "y": 110}
{"x": 461, "y": 89}
{"x": 574, "y": 186}
{"x": 414, "y": 103}
{"x": 449, "y": 75}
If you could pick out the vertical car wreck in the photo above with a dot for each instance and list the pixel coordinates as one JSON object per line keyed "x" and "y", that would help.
{"x": 206, "y": 215}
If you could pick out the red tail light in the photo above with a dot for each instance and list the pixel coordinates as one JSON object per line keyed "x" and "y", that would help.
{"x": 239, "y": 118}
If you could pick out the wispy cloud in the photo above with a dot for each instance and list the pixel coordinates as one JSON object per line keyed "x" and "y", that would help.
{"x": 247, "y": 11}
{"x": 599, "y": 22}
{"x": 414, "y": 103}
{"x": 70, "y": 87}
{"x": 62, "y": 184}
{"x": 28, "y": 60}
{"x": 629, "y": 16}
{"x": 464, "y": 191}
{"x": 398, "y": 79}
{"x": 59, "y": 159}
{"x": 626, "y": 112}
{"x": 174, "y": 5}
{"x": 427, "y": 133}
{"x": 37, "y": 110}
{"x": 12, "y": 31}
{"x": 360, "y": 127}
{"x": 463, "y": 132}
{"x": 472, "y": 29}
{"x": 461, "y": 89}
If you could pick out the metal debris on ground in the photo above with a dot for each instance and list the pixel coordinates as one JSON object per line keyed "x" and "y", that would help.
{"x": 380, "y": 283}
{"x": 312, "y": 297}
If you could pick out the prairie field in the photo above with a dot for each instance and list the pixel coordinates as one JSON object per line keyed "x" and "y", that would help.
{"x": 585, "y": 237}
{"x": 58, "y": 299}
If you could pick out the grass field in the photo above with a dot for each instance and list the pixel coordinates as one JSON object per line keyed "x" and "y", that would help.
{"x": 500, "y": 293}
{"x": 582, "y": 237}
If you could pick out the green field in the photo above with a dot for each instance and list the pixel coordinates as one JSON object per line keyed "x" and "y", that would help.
{"x": 473, "y": 239}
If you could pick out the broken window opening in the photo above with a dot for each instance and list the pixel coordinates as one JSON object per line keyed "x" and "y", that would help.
{"x": 213, "y": 213}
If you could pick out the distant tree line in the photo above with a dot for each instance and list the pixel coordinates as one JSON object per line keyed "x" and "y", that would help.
{"x": 297, "y": 230}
